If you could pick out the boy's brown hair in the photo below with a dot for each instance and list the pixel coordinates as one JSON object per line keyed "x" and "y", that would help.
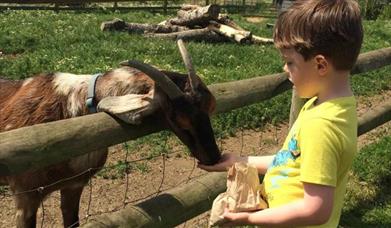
{"x": 331, "y": 28}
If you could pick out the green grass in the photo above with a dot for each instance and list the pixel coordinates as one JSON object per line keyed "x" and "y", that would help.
{"x": 368, "y": 198}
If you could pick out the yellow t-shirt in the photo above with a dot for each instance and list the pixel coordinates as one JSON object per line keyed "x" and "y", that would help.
{"x": 319, "y": 149}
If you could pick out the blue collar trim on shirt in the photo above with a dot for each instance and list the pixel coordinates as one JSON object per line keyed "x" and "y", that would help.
{"x": 90, "y": 101}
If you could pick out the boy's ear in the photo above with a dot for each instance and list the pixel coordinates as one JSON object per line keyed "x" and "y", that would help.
{"x": 322, "y": 64}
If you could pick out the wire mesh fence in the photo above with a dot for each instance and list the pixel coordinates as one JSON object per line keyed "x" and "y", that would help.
{"x": 150, "y": 176}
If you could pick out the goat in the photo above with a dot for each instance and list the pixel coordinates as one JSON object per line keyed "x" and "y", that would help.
{"x": 131, "y": 92}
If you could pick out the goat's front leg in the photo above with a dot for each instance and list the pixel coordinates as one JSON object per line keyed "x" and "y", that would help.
{"x": 70, "y": 200}
{"x": 26, "y": 209}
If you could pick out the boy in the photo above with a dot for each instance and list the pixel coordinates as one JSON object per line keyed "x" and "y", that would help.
{"x": 305, "y": 181}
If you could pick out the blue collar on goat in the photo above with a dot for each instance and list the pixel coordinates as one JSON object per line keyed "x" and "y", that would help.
{"x": 90, "y": 101}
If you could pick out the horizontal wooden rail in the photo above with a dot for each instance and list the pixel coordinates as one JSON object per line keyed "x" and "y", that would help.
{"x": 180, "y": 204}
{"x": 170, "y": 208}
{"x": 374, "y": 118}
{"x": 41, "y": 145}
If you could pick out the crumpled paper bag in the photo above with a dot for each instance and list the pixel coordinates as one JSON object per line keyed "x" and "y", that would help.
{"x": 244, "y": 193}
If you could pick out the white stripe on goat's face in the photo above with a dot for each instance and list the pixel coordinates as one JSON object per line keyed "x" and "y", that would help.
{"x": 122, "y": 74}
{"x": 124, "y": 80}
{"x": 27, "y": 81}
{"x": 74, "y": 87}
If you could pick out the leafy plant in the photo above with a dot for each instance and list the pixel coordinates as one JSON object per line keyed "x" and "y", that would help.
{"x": 372, "y": 9}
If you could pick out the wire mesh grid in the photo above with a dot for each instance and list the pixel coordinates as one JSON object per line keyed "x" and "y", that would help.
{"x": 90, "y": 205}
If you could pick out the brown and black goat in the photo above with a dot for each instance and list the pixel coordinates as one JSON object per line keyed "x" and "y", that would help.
{"x": 181, "y": 102}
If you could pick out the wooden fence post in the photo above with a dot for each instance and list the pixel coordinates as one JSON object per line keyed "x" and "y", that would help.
{"x": 296, "y": 105}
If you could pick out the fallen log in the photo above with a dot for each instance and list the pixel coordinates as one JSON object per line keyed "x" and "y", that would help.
{"x": 261, "y": 40}
{"x": 224, "y": 19}
{"x": 238, "y": 36}
{"x": 188, "y": 7}
{"x": 196, "y": 17}
{"x": 114, "y": 25}
{"x": 205, "y": 34}
{"x": 121, "y": 25}
{"x": 192, "y": 23}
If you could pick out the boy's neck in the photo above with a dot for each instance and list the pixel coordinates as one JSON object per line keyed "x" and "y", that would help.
{"x": 336, "y": 85}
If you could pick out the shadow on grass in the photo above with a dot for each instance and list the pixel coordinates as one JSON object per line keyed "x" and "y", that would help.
{"x": 373, "y": 164}
{"x": 354, "y": 217}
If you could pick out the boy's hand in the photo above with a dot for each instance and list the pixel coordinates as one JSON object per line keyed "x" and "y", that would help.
{"x": 226, "y": 161}
{"x": 235, "y": 219}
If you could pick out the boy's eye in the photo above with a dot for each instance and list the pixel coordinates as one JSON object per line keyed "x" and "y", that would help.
{"x": 288, "y": 63}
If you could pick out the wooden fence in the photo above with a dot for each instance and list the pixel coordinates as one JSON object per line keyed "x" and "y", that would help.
{"x": 41, "y": 145}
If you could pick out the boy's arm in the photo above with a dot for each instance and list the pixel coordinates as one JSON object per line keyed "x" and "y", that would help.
{"x": 228, "y": 159}
{"x": 262, "y": 163}
{"x": 314, "y": 209}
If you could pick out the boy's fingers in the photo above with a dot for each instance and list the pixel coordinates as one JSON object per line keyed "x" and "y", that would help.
{"x": 228, "y": 215}
{"x": 235, "y": 218}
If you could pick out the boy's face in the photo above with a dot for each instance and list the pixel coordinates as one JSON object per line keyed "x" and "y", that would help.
{"x": 303, "y": 74}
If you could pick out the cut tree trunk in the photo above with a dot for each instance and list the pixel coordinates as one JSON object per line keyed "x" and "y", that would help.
{"x": 192, "y": 23}
{"x": 224, "y": 19}
{"x": 239, "y": 36}
{"x": 188, "y": 7}
{"x": 120, "y": 25}
{"x": 196, "y": 17}
{"x": 261, "y": 40}
{"x": 194, "y": 34}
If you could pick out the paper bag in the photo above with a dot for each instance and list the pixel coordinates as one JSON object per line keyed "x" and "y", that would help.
{"x": 244, "y": 193}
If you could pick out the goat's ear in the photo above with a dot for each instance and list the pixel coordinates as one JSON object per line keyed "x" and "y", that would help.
{"x": 130, "y": 108}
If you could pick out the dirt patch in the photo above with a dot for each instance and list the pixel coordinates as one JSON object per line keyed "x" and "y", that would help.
{"x": 255, "y": 20}
{"x": 148, "y": 178}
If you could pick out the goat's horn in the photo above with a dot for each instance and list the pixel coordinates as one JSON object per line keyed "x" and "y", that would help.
{"x": 193, "y": 78}
{"x": 168, "y": 86}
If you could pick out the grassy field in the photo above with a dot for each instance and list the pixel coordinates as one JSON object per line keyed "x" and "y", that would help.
{"x": 43, "y": 41}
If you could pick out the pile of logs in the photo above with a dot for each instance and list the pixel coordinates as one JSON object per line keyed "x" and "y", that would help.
{"x": 192, "y": 23}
